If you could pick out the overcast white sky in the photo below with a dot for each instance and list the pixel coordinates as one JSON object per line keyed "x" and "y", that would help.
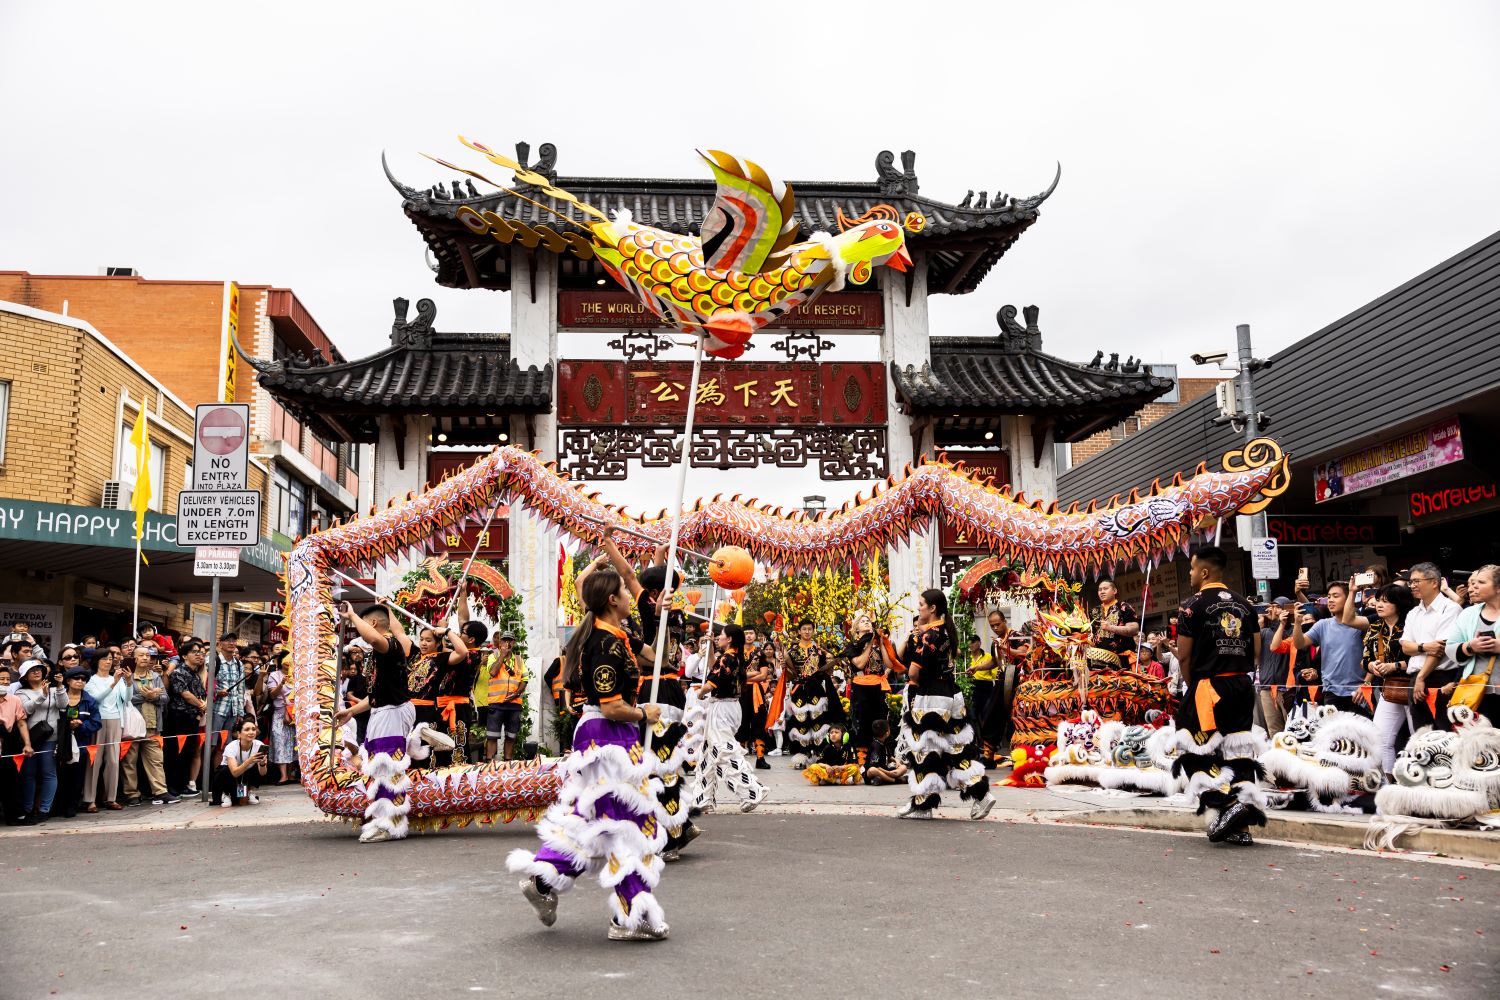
{"x": 1277, "y": 164}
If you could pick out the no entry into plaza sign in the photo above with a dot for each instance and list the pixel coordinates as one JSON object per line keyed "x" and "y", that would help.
{"x": 212, "y": 517}
{"x": 221, "y": 446}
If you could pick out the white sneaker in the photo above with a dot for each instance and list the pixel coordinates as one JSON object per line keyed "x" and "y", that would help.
{"x": 774, "y": 753}
{"x": 372, "y": 834}
{"x": 618, "y": 933}
{"x": 435, "y": 738}
{"x": 255, "y": 800}
{"x": 910, "y": 811}
{"x": 748, "y": 805}
{"x": 227, "y": 804}
{"x": 980, "y": 808}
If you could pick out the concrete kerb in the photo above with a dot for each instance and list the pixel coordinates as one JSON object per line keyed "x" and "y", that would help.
{"x": 1463, "y": 845}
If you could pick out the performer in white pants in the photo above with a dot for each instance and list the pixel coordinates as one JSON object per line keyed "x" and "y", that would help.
{"x": 391, "y": 742}
{"x": 723, "y": 757}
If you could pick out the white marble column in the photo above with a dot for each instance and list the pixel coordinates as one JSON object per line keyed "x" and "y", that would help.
{"x": 1037, "y": 480}
{"x": 905, "y": 340}
{"x": 533, "y": 549}
{"x": 394, "y": 478}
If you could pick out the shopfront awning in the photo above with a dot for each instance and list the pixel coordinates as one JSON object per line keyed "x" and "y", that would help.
{"x": 98, "y": 544}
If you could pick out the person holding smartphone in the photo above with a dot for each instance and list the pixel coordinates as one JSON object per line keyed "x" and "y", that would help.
{"x": 241, "y": 767}
{"x": 1474, "y": 641}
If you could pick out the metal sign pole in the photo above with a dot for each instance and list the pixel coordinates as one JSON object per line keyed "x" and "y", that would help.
{"x": 667, "y": 588}
{"x": 205, "y": 772}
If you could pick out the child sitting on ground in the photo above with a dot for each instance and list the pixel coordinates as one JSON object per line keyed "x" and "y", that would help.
{"x": 880, "y": 768}
{"x": 833, "y": 766}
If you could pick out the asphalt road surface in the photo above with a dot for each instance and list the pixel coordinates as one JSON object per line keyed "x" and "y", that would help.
{"x": 762, "y": 906}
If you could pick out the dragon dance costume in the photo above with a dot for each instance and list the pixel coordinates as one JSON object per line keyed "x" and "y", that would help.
{"x": 868, "y": 689}
{"x": 607, "y": 819}
{"x": 1216, "y": 718}
{"x": 723, "y": 757}
{"x": 440, "y": 694}
{"x": 392, "y": 740}
{"x": 812, "y": 703}
{"x": 935, "y": 728}
{"x": 755, "y": 703}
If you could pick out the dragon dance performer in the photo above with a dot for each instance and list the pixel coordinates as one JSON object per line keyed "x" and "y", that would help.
{"x": 393, "y": 737}
{"x": 439, "y": 682}
{"x": 1219, "y": 646}
{"x": 721, "y": 750}
{"x": 934, "y": 721}
{"x": 671, "y": 700}
{"x": 607, "y": 818}
{"x": 1116, "y": 624}
{"x": 812, "y": 701}
{"x": 755, "y": 703}
{"x": 868, "y": 687}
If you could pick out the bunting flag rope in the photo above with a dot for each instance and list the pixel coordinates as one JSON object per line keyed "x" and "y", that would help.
{"x": 92, "y": 749}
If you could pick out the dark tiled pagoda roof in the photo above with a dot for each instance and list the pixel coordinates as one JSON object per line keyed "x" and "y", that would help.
{"x": 423, "y": 371}
{"x": 1011, "y": 374}
{"x": 962, "y": 242}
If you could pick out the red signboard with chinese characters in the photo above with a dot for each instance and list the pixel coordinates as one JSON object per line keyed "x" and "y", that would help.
{"x": 778, "y": 394}
{"x": 613, "y": 309}
{"x": 495, "y": 544}
{"x": 984, "y": 464}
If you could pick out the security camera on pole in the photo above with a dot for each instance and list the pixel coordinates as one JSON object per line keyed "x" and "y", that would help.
{"x": 218, "y": 517}
{"x": 1236, "y": 399}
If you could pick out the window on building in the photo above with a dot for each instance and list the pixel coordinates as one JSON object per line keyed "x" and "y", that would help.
{"x": 1062, "y": 454}
{"x": 289, "y": 496}
{"x": 353, "y": 461}
{"x": 4, "y": 416}
{"x": 126, "y": 473}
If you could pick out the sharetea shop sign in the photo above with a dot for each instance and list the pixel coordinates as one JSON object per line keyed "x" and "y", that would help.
{"x": 1461, "y": 499}
{"x": 1314, "y": 530}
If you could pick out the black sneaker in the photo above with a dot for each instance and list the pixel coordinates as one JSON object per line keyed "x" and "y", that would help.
{"x": 1240, "y": 838}
{"x": 761, "y": 765}
{"x": 1231, "y": 821}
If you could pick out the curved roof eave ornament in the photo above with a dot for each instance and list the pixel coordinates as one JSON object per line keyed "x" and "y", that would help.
{"x": 410, "y": 193}
{"x": 1037, "y": 199}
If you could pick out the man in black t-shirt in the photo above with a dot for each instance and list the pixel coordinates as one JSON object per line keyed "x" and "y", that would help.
{"x": 1218, "y": 645}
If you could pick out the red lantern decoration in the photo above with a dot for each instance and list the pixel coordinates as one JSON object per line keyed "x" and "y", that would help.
{"x": 693, "y": 597}
{"x": 731, "y": 567}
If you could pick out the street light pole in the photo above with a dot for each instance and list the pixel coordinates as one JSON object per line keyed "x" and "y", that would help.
{"x": 1248, "y": 365}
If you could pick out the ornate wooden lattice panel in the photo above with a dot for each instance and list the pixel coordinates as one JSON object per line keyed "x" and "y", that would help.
{"x": 604, "y": 452}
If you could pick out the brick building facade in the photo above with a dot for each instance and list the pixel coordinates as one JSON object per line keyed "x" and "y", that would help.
{"x": 68, "y": 398}
{"x": 1188, "y": 389}
{"x": 177, "y": 330}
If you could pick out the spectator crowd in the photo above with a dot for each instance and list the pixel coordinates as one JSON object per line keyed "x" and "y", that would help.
{"x": 104, "y": 726}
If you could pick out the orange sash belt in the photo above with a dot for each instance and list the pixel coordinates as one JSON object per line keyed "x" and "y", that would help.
{"x": 1204, "y": 700}
{"x": 448, "y": 705}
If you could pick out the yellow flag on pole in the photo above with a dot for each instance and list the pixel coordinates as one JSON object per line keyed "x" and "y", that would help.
{"x": 140, "y": 499}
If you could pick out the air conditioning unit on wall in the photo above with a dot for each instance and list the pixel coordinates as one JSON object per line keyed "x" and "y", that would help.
{"x": 115, "y": 497}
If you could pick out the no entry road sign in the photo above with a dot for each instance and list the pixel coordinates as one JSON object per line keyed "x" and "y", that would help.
{"x": 221, "y": 446}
